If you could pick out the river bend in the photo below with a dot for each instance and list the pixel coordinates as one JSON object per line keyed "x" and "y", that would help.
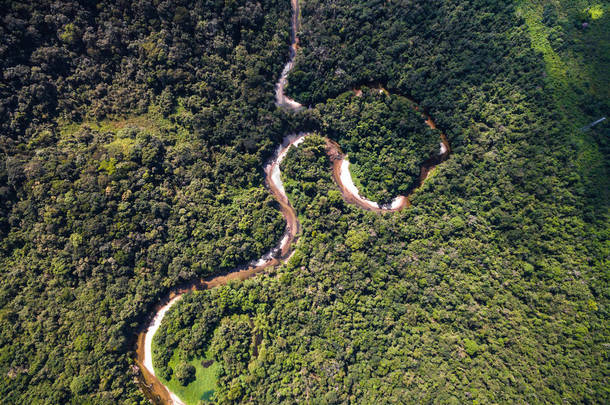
{"x": 148, "y": 382}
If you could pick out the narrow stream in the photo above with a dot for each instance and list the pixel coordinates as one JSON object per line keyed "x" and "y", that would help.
{"x": 281, "y": 99}
{"x": 148, "y": 382}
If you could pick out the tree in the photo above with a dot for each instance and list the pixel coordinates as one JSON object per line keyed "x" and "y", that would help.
{"x": 185, "y": 373}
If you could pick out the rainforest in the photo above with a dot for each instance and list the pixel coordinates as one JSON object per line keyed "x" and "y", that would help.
{"x": 304, "y": 201}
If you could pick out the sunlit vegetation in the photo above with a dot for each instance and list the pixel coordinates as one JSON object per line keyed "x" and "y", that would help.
{"x": 133, "y": 138}
{"x": 225, "y": 336}
{"x": 193, "y": 380}
{"x": 574, "y": 40}
{"x": 491, "y": 288}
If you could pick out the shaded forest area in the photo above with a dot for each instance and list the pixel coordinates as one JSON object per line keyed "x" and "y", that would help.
{"x": 133, "y": 137}
{"x": 132, "y": 140}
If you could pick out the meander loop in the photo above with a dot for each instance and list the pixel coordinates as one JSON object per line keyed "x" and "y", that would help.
{"x": 148, "y": 382}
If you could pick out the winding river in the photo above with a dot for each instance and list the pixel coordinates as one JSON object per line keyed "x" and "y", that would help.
{"x": 148, "y": 382}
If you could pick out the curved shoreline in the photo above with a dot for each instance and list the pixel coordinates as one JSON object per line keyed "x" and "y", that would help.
{"x": 150, "y": 384}
{"x": 350, "y": 192}
{"x": 152, "y": 387}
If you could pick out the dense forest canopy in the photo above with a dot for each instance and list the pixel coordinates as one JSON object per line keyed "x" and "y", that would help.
{"x": 385, "y": 138}
{"x": 133, "y": 139}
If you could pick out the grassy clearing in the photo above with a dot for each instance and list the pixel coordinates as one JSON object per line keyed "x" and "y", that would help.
{"x": 153, "y": 122}
{"x": 204, "y": 385}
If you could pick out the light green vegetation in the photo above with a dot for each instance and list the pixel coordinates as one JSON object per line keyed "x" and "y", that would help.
{"x": 152, "y": 121}
{"x": 596, "y": 11}
{"x": 204, "y": 384}
{"x": 574, "y": 40}
{"x": 232, "y": 341}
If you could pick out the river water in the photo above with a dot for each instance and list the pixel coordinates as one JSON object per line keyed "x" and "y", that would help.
{"x": 149, "y": 383}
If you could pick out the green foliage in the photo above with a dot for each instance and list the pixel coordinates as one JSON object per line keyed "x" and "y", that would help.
{"x": 224, "y": 343}
{"x": 471, "y": 347}
{"x": 356, "y": 240}
{"x": 485, "y": 291}
{"x": 596, "y": 11}
{"x": 109, "y": 166}
{"x": 79, "y": 385}
{"x": 126, "y": 169}
{"x": 133, "y": 140}
{"x": 385, "y": 139}
{"x": 69, "y": 34}
{"x": 184, "y": 373}
{"x": 203, "y": 384}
